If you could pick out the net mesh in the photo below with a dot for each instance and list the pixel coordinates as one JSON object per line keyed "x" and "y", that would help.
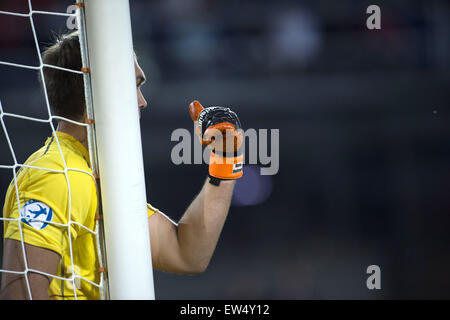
{"x": 48, "y": 118}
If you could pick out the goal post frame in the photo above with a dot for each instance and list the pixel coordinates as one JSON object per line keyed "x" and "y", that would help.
{"x": 119, "y": 148}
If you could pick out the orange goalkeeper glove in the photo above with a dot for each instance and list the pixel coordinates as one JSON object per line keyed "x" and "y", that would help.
{"x": 219, "y": 128}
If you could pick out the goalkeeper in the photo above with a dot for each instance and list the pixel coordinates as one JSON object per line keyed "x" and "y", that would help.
{"x": 46, "y": 201}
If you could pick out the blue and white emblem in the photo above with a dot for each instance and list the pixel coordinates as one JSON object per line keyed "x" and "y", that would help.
{"x": 36, "y": 214}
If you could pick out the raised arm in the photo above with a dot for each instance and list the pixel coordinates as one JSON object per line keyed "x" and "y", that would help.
{"x": 188, "y": 246}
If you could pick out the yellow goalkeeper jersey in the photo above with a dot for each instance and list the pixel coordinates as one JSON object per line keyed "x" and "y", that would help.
{"x": 58, "y": 215}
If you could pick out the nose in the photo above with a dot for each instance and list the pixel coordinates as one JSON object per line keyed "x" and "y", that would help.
{"x": 142, "y": 103}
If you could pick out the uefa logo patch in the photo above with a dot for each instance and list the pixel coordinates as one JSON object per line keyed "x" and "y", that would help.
{"x": 36, "y": 214}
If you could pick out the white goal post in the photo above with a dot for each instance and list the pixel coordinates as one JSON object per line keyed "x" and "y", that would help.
{"x": 108, "y": 38}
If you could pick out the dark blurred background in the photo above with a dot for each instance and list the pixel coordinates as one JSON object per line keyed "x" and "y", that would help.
{"x": 363, "y": 116}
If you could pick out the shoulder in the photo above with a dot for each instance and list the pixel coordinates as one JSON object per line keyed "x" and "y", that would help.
{"x": 55, "y": 159}
{"x": 52, "y": 174}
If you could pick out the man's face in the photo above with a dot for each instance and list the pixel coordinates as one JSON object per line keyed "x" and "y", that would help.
{"x": 140, "y": 80}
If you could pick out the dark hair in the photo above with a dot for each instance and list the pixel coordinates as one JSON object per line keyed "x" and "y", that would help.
{"x": 65, "y": 89}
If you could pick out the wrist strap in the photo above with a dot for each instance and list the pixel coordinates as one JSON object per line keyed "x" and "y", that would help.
{"x": 226, "y": 168}
{"x": 214, "y": 181}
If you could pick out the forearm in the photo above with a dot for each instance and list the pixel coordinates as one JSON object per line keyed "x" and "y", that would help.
{"x": 200, "y": 227}
{"x": 188, "y": 246}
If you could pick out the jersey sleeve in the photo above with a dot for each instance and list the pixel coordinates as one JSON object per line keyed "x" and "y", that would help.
{"x": 51, "y": 210}
{"x": 150, "y": 210}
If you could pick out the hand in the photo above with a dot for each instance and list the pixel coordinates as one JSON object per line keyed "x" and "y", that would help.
{"x": 220, "y": 129}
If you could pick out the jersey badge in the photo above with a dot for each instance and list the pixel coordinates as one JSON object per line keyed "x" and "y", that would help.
{"x": 36, "y": 214}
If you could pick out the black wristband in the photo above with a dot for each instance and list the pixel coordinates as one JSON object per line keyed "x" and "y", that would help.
{"x": 214, "y": 181}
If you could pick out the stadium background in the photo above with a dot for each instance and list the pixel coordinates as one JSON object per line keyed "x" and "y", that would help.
{"x": 364, "y": 137}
